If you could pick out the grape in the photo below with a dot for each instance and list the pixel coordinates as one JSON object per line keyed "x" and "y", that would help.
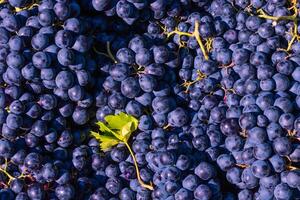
{"x": 32, "y": 161}
{"x": 64, "y": 192}
{"x": 233, "y": 175}
{"x": 177, "y": 117}
{"x": 183, "y": 194}
{"x": 130, "y": 87}
{"x": 76, "y": 93}
{"x": 249, "y": 179}
{"x": 14, "y": 121}
{"x": 245, "y": 194}
{"x": 257, "y": 135}
{"x": 6, "y": 148}
{"x": 11, "y": 23}
{"x": 17, "y": 185}
{"x": 47, "y": 101}
{"x": 34, "y": 110}
{"x": 113, "y": 185}
{"x": 282, "y": 191}
{"x": 260, "y": 168}
{"x": 41, "y": 60}
{"x": 64, "y": 39}
{"x": 293, "y": 179}
{"x": 61, "y": 10}
{"x": 64, "y": 80}
{"x": 282, "y": 146}
{"x": 5, "y": 36}
{"x": 14, "y": 60}
{"x": 163, "y": 105}
{"x": 233, "y": 143}
{"x": 205, "y": 171}
{"x": 294, "y": 156}
{"x": 265, "y": 30}
{"x": 39, "y": 128}
{"x": 202, "y": 192}
{"x": 143, "y": 57}
{"x": 46, "y": 17}
{"x": 66, "y": 57}
{"x": 281, "y": 81}
{"x": 39, "y": 41}
{"x": 229, "y": 126}
{"x": 225, "y": 162}
{"x": 145, "y": 99}
{"x": 262, "y": 151}
{"x": 16, "y": 43}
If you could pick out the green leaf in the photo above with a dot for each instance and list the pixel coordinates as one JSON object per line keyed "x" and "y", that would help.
{"x": 107, "y": 141}
{"x": 126, "y": 131}
{"x": 105, "y": 129}
{"x": 117, "y": 129}
{"x": 117, "y": 122}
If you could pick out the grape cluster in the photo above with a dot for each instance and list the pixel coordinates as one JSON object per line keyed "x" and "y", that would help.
{"x": 214, "y": 84}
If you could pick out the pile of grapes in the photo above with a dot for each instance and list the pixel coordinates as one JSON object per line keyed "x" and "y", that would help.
{"x": 149, "y": 99}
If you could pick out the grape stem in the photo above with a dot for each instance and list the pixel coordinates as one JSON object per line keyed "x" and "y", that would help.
{"x": 244, "y": 133}
{"x": 195, "y": 34}
{"x": 242, "y": 165}
{"x": 208, "y": 44}
{"x": 33, "y": 4}
{"x": 291, "y": 133}
{"x": 188, "y": 84}
{"x": 293, "y": 18}
{"x": 9, "y": 176}
{"x": 108, "y": 54}
{"x": 148, "y": 186}
{"x": 167, "y": 126}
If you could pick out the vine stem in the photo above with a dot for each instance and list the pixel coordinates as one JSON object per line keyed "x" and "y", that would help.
{"x": 187, "y": 84}
{"x": 179, "y": 33}
{"x": 17, "y": 9}
{"x": 288, "y": 18}
{"x": 195, "y": 34}
{"x": 100, "y": 53}
{"x": 166, "y": 126}
{"x": 10, "y": 177}
{"x": 293, "y": 18}
{"x": 109, "y": 53}
{"x": 150, "y": 187}
{"x": 243, "y": 166}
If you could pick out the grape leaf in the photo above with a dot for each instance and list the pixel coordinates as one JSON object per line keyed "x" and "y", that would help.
{"x": 107, "y": 141}
{"x": 105, "y": 129}
{"x": 120, "y": 120}
{"x": 117, "y": 129}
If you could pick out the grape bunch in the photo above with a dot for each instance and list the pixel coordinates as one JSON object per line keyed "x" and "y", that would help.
{"x": 150, "y": 100}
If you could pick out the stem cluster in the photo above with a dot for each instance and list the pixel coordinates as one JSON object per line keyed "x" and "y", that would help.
{"x": 194, "y": 34}
{"x": 293, "y": 18}
{"x": 8, "y": 175}
{"x": 188, "y": 84}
